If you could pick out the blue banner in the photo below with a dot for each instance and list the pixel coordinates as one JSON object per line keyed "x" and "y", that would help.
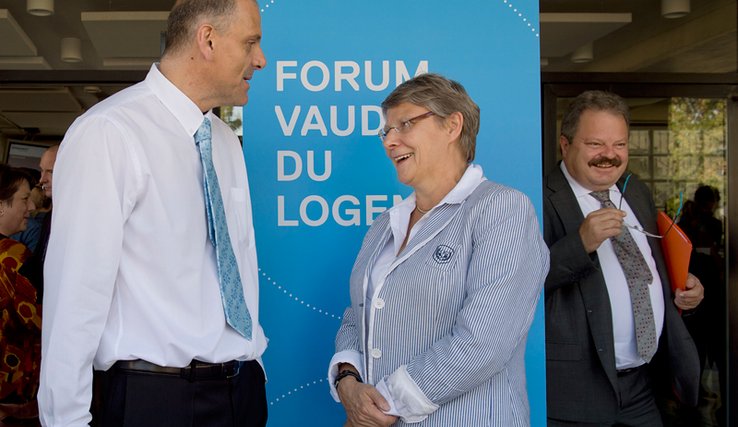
{"x": 319, "y": 175}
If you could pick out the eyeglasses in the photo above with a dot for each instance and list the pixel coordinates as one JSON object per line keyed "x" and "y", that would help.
{"x": 638, "y": 227}
{"x": 404, "y": 126}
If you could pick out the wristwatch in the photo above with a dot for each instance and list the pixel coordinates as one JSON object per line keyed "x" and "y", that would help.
{"x": 346, "y": 373}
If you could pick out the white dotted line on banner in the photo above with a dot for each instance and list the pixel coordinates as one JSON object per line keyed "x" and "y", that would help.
{"x": 520, "y": 15}
{"x": 297, "y": 299}
{"x": 296, "y": 390}
{"x": 266, "y": 6}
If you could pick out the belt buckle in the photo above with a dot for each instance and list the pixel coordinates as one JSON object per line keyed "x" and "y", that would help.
{"x": 188, "y": 372}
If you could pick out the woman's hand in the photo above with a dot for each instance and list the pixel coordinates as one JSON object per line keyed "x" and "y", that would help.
{"x": 363, "y": 404}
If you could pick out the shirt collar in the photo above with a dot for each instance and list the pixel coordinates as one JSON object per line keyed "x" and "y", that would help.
{"x": 579, "y": 190}
{"x": 174, "y": 100}
{"x": 473, "y": 176}
{"x": 400, "y": 213}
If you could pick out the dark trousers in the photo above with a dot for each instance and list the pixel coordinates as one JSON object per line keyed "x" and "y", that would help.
{"x": 638, "y": 404}
{"x": 143, "y": 399}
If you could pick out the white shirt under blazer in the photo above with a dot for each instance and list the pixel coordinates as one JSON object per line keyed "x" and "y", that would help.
{"x": 447, "y": 331}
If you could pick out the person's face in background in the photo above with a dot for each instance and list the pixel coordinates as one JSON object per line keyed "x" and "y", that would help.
{"x": 239, "y": 54}
{"x": 14, "y": 213}
{"x": 38, "y": 197}
{"x": 47, "y": 171}
{"x": 598, "y": 154}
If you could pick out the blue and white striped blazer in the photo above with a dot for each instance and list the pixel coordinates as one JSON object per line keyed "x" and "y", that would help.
{"x": 456, "y": 308}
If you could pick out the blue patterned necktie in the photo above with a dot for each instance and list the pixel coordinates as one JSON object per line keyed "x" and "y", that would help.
{"x": 638, "y": 276}
{"x": 231, "y": 291}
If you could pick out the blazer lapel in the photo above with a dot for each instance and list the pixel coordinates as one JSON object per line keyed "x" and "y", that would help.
{"x": 374, "y": 248}
{"x": 436, "y": 222}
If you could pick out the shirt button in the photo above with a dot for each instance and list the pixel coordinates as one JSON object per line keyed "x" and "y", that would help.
{"x": 376, "y": 353}
{"x": 379, "y": 303}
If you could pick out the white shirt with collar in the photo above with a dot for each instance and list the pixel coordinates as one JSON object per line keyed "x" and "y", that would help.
{"x": 623, "y": 328}
{"x": 412, "y": 397}
{"x": 130, "y": 271}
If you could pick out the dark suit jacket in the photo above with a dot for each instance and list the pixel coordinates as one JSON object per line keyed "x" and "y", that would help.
{"x": 580, "y": 356}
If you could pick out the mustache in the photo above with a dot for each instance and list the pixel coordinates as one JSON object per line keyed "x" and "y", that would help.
{"x": 605, "y": 161}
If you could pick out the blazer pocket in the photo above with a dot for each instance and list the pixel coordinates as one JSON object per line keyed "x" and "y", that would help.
{"x": 563, "y": 351}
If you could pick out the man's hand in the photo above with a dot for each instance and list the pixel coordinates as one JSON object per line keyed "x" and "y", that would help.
{"x": 363, "y": 404}
{"x": 692, "y": 294}
{"x": 599, "y": 226}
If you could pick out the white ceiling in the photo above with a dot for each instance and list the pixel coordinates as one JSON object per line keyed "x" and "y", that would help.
{"x": 627, "y": 36}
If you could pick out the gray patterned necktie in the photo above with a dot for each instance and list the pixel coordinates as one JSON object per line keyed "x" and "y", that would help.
{"x": 638, "y": 276}
{"x": 231, "y": 291}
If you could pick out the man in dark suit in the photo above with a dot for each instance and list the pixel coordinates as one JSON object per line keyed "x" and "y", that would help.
{"x": 600, "y": 371}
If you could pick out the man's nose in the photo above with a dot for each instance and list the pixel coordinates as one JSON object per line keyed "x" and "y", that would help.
{"x": 260, "y": 59}
{"x": 608, "y": 151}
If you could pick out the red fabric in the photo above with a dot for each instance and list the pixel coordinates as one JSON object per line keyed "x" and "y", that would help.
{"x": 20, "y": 327}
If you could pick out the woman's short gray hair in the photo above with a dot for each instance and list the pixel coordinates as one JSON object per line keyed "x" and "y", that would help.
{"x": 443, "y": 97}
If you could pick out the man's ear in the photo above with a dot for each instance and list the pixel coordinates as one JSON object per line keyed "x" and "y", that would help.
{"x": 563, "y": 145}
{"x": 205, "y": 40}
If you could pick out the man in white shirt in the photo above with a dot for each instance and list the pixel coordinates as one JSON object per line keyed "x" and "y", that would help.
{"x": 600, "y": 369}
{"x": 133, "y": 285}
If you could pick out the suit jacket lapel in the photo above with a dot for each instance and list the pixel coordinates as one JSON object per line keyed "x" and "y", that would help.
{"x": 639, "y": 205}
{"x": 593, "y": 289}
{"x": 564, "y": 203}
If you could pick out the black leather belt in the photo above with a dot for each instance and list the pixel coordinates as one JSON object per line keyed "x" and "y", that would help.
{"x": 195, "y": 371}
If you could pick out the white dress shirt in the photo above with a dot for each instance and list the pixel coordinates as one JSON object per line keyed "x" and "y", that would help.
{"x": 403, "y": 395}
{"x": 623, "y": 326}
{"x": 130, "y": 271}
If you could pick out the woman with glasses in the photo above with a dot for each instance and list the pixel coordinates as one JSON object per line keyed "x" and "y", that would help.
{"x": 445, "y": 285}
{"x": 20, "y": 314}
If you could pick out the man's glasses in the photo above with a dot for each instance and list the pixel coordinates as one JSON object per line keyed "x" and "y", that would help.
{"x": 404, "y": 126}
{"x": 638, "y": 227}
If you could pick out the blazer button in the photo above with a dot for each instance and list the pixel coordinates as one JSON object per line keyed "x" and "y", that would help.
{"x": 379, "y": 303}
{"x": 376, "y": 353}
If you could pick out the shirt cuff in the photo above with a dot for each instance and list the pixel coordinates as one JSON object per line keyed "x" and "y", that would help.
{"x": 406, "y": 399}
{"x": 351, "y": 357}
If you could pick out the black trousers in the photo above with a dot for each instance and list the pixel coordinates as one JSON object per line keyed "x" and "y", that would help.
{"x": 638, "y": 405}
{"x": 143, "y": 399}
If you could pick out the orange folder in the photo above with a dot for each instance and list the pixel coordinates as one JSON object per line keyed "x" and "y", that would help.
{"x": 677, "y": 249}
